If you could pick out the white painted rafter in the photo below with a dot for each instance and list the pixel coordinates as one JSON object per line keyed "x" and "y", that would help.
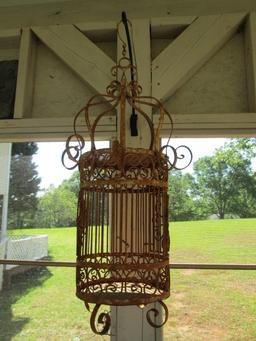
{"x": 88, "y": 61}
{"x": 190, "y": 50}
{"x": 25, "y": 77}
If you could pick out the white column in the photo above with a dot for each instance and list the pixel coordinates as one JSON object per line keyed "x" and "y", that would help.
{"x": 5, "y": 160}
{"x": 129, "y": 323}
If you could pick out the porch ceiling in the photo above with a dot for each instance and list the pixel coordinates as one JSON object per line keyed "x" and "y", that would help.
{"x": 19, "y": 13}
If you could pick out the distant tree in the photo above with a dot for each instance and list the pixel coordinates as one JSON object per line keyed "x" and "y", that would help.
{"x": 244, "y": 204}
{"x": 57, "y": 208}
{"x": 72, "y": 184}
{"x": 24, "y": 149}
{"x": 224, "y": 180}
{"x": 181, "y": 203}
{"x": 24, "y": 185}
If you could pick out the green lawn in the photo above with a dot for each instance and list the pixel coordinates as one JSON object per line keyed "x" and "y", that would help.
{"x": 204, "y": 304}
{"x": 211, "y": 304}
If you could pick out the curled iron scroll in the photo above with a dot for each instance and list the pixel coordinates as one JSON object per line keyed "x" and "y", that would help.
{"x": 178, "y": 154}
{"x": 73, "y": 152}
{"x": 182, "y": 156}
{"x": 155, "y": 313}
{"x": 103, "y": 320}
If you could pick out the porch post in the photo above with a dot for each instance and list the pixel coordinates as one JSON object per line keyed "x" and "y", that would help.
{"x": 5, "y": 160}
{"x": 129, "y": 322}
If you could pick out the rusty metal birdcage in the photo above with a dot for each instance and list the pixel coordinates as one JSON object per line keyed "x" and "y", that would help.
{"x": 122, "y": 220}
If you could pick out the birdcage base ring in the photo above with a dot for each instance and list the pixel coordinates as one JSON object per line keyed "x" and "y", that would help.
{"x": 122, "y": 299}
{"x": 137, "y": 281}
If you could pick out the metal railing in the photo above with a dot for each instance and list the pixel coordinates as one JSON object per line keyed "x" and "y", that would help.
{"x": 199, "y": 266}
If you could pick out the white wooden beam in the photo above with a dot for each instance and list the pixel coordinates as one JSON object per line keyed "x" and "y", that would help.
{"x": 210, "y": 133}
{"x": 250, "y": 60}
{"x": 54, "y": 124}
{"x": 211, "y": 125}
{"x": 69, "y": 12}
{"x": 89, "y": 62}
{"x": 196, "y": 125}
{"x": 190, "y": 50}
{"x": 10, "y": 38}
{"x": 25, "y": 78}
{"x": 20, "y": 130}
{"x": 211, "y": 121}
{"x": 142, "y": 47}
{"x": 39, "y": 129}
{"x": 209, "y": 118}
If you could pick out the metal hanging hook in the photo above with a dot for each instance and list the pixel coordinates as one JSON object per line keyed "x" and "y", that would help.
{"x": 134, "y": 116}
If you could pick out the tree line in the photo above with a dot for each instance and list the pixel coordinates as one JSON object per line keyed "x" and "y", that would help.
{"x": 222, "y": 185}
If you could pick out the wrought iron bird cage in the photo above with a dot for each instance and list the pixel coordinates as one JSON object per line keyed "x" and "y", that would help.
{"x": 122, "y": 219}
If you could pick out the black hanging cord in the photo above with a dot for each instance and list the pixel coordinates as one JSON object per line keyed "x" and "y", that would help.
{"x": 134, "y": 116}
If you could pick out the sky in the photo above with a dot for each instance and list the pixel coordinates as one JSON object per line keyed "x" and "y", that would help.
{"x": 52, "y": 172}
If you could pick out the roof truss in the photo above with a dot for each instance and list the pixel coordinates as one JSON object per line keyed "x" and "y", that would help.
{"x": 200, "y": 39}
